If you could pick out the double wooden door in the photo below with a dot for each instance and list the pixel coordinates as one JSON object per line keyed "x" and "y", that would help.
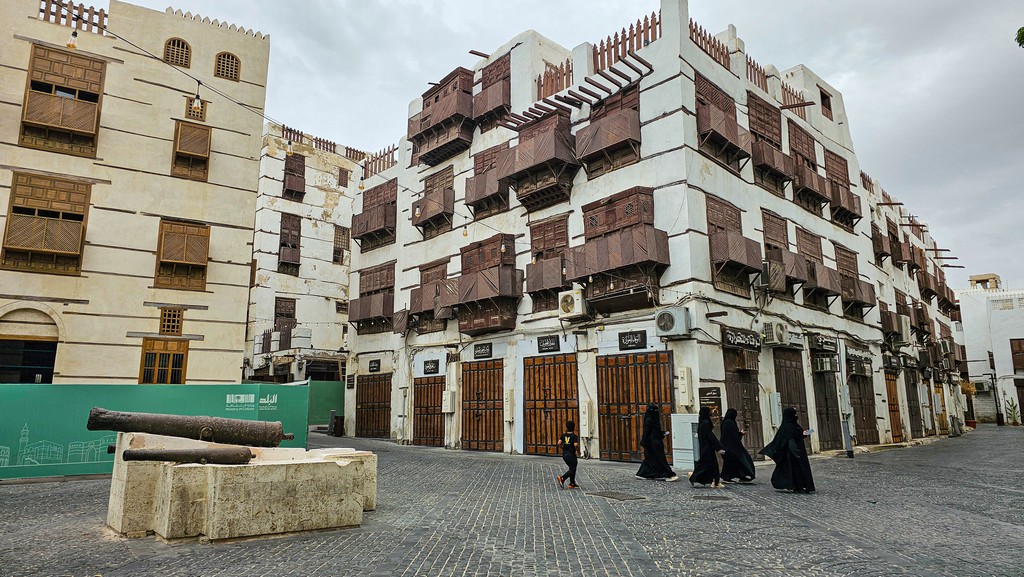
{"x": 826, "y": 408}
{"x": 742, "y": 393}
{"x": 626, "y": 385}
{"x": 914, "y": 403}
{"x": 427, "y": 417}
{"x": 373, "y": 405}
{"x": 893, "y": 399}
{"x": 550, "y": 399}
{"x": 789, "y": 380}
{"x": 483, "y": 405}
{"x": 862, "y": 401}
{"x": 940, "y": 408}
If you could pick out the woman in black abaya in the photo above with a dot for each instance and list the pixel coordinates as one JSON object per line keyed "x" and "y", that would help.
{"x": 655, "y": 465}
{"x": 792, "y": 469}
{"x": 736, "y": 462}
{"x": 705, "y": 470}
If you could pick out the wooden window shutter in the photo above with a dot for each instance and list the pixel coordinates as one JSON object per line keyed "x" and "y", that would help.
{"x": 836, "y": 168}
{"x": 291, "y": 238}
{"x": 550, "y": 238}
{"x": 623, "y": 100}
{"x": 295, "y": 173}
{"x": 184, "y": 243}
{"x": 809, "y": 245}
{"x": 802, "y": 143}
{"x": 497, "y": 71}
{"x": 433, "y": 273}
{"x": 722, "y": 216}
{"x": 775, "y": 230}
{"x": 192, "y": 139}
{"x": 765, "y": 120}
{"x": 846, "y": 261}
{"x": 227, "y": 66}
{"x": 343, "y": 176}
{"x": 715, "y": 96}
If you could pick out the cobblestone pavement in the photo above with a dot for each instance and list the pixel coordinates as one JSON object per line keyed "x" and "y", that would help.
{"x": 953, "y": 507}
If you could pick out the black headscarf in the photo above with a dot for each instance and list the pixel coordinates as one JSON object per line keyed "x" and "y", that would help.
{"x": 705, "y": 414}
{"x": 652, "y": 424}
{"x": 789, "y": 416}
{"x": 730, "y": 415}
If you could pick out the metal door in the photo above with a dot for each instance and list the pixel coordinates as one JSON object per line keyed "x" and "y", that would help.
{"x": 743, "y": 394}
{"x": 551, "y": 397}
{"x": 626, "y": 384}
{"x": 482, "y": 405}
{"x": 427, "y": 418}
{"x": 789, "y": 380}
{"x": 862, "y": 400}
{"x": 373, "y": 405}
{"x": 826, "y": 407}
{"x": 895, "y": 421}
{"x": 914, "y": 403}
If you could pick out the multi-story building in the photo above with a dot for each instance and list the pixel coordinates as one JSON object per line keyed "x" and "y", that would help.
{"x": 993, "y": 328}
{"x": 298, "y": 303}
{"x": 130, "y": 160}
{"x": 573, "y": 235}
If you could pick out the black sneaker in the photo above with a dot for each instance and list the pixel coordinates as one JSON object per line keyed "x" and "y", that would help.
{"x": 561, "y": 481}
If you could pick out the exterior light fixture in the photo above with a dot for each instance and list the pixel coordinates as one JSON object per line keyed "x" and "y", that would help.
{"x": 73, "y": 40}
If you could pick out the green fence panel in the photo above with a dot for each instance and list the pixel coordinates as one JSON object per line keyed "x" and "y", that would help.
{"x": 43, "y": 434}
{"x": 325, "y": 396}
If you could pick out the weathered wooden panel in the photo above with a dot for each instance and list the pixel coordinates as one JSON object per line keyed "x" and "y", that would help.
{"x": 482, "y": 405}
{"x": 427, "y": 418}
{"x": 606, "y": 134}
{"x": 730, "y": 247}
{"x": 545, "y": 274}
{"x": 618, "y": 211}
{"x": 550, "y": 399}
{"x": 373, "y": 405}
{"x": 626, "y": 385}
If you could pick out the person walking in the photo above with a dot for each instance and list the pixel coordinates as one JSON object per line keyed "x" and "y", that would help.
{"x": 737, "y": 466}
{"x": 787, "y": 449}
{"x": 569, "y": 443}
{"x": 705, "y": 470}
{"x": 655, "y": 465}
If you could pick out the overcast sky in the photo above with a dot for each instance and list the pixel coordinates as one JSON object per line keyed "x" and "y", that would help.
{"x": 933, "y": 88}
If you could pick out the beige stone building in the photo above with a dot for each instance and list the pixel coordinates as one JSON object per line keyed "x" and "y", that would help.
{"x": 298, "y": 303}
{"x": 126, "y": 209}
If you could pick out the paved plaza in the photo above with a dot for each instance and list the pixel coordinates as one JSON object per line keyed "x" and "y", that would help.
{"x": 954, "y": 507}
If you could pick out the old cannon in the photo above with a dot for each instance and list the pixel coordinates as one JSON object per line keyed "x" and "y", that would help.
{"x": 211, "y": 429}
{"x": 211, "y": 455}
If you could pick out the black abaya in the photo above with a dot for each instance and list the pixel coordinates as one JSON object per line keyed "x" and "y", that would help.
{"x": 787, "y": 449}
{"x": 736, "y": 462}
{"x": 705, "y": 469}
{"x": 655, "y": 464}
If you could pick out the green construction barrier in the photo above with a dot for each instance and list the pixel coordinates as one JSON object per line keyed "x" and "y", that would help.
{"x": 324, "y": 397}
{"x": 43, "y": 434}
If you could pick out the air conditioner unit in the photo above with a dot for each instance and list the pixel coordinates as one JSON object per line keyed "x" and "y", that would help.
{"x": 825, "y": 364}
{"x": 947, "y": 346}
{"x": 773, "y": 277}
{"x": 571, "y": 304}
{"x": 903, "y": 338}
{"x": 924, "y": 358}
{"x": 982, "y": 386}
{"x": 891, "y": 362}
{"x": 672, "y": 322}
{"x": 747, "y": 360}
{"x": 945, "y": 364}
{"x": 775, "y": 334}
{"x": 858, "y": 367}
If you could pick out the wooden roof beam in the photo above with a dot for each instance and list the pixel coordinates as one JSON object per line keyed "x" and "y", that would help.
{"x": 609, "y": 78}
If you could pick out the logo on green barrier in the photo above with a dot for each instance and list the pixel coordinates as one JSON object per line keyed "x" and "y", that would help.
{"x": 240, "y": 402}
{"x": 268, "y": 402}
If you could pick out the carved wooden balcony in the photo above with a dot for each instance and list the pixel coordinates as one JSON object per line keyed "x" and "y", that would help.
{"x": 294, "y": 183}
{"x": 921, "y": 319}
{"x": 771, "y": 159}
{"x": 947, "y": 298}
{"x": 856, "y": 292}
{"x": 926, "y": 282}
{"x": 545, "y": 274}
{"x": 489, "y": 253}
{"x": 794, "y": 266}
{"x": 493, "y": 101}
{"x": 542, "y": 166}
{"x": 444, "y": 127}
{"x": 900, "y": 252}
{"x": 807, "y": 182}
{"x": 636, "y": 246}
{"x": 484, "y": 188}
{"x": 890, "y": 323}
{"x": 375, "y": 306}
{"x": 731, "y": 248}
{"x": 499, "y": 282}
{"x": 488, "y": 316}
{"x": 423, "y": 298}
{"x": 289, "y": 255}
{"x": 434, "y": 206}
{"x": 375, "y": 221}
{"x": 52, "y": 111}
{"x": 917, "y": 258}
{"x": 823, "y": 279}
{"x": 721, "y": 128}
{"x": 41, "y": 234}
{"x": 602, "y": 139}
{"x": 880, "y": 243}
{"x": 620, "y": 210}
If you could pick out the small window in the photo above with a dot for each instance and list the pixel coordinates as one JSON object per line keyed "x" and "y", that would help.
{"x": 178, "y": 53}
{"x": 163, "y": 361}
{"x": 228, "y": 66}
{"x": 341, "y": 240}
{"x": 182, "y": 255}
{"x": 341, "y": 307}
{"x": 343, "y": 176}
{"x": 826, "y": 103}
{"x": 170, "y": 320}
{"x": 195, "y": 113}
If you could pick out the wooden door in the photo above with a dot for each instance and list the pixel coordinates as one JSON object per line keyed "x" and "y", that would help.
{"x": 926, "y": 406}
{"x": 551, "y": 397}
{"x": 826, "y": 407}
{"x": 789, "y": 380}
{"x": 427, "y": 418}
{"x": 892, "y": 394}
{"x": 626, "y": 384}
{"x": 483, "y": 405}
{"x": 862, "y": 400}
{"x": 373, "y": 405}
{"x": 940, "y": 409}
{"x": 743, "y": 394}
{"x": 914, "y": 403}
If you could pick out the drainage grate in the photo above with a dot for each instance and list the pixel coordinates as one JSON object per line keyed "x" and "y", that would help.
{"x": 711, "y": 498}
{"x": 617, "y": 496}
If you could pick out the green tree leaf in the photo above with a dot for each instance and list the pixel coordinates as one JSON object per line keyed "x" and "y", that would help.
{"x": 1020, "y": 37}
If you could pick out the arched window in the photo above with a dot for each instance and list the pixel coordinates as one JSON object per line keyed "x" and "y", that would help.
{"x": 228, "y": 66}
{"x": 178, "y": 53}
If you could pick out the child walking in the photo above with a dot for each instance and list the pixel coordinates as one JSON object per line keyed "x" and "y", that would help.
{"x": 570, "y": 445}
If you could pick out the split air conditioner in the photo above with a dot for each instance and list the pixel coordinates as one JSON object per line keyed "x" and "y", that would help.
{"x": 672, "y": 322}
{"x": 904, "y": 336}
{"x": 775, "y": 334}
{"x": 571, "y": 305}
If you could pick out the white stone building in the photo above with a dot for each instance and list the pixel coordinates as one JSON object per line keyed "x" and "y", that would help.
{"x": 126, "y": 207}
{"x": 684, "y": 241}
{"x": 993, "y": 327}
{"x": 298, "y": 302}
